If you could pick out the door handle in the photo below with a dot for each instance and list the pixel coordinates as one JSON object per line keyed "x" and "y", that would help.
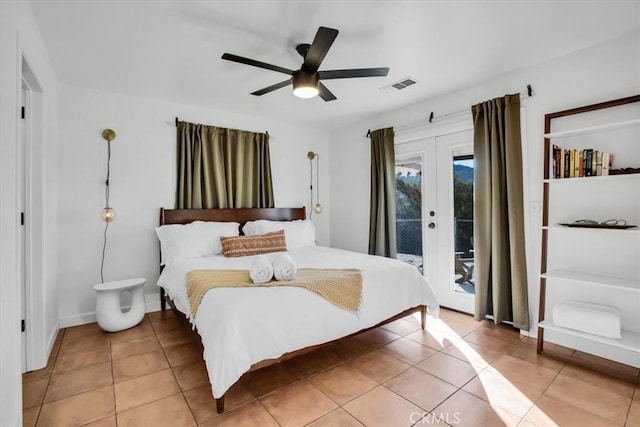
{"x": 432, "y": 225}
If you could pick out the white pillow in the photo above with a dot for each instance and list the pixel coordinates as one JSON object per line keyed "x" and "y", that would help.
{"x": 593, "y": 319}
{"x": 195, "y": 240}
{"x": 298, "y": 234}
{"x": 249, "y": 228}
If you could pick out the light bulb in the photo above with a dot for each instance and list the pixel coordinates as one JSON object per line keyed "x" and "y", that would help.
{"x": 317, "y": 208}
{"x": 108, "y": 214}
{"x": 305, "y": 92}
{"x": 305, "y": 84}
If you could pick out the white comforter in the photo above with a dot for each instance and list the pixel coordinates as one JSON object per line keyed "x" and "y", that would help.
{"x": 242, "y": 326}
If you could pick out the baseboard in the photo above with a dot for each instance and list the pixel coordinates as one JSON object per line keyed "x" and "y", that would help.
{"x": 152, "y": 303}
{"x": 52, "y": 338}
{"x": 77, "y": 320}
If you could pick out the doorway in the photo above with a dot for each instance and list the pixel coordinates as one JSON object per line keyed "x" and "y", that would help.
{"x": 29, "y": 186}
{"x": 434, "y": 210}
{"x": 22, "y": 238}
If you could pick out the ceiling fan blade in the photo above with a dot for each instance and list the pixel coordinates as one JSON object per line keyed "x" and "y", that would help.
{"x": 318, "y": 50}
{"x": 272, "y": 87}
{"x": 254, "y": 63}
{"x": 325, "y": 93}
{"x": 354, "y": 72}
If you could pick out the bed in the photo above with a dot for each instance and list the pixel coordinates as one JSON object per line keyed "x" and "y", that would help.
{"x": 246, "y": 328}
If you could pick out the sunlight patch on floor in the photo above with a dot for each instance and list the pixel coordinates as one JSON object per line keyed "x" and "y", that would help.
{"x": 504, "y": 397}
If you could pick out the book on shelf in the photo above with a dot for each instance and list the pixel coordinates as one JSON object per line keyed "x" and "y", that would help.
{"x": 575, "y": 163}
{"x": 598, "y": 163}
{"x": 579, "y": 171}
{"x": 606, "y": 163}
{"x": 588, "y": 160}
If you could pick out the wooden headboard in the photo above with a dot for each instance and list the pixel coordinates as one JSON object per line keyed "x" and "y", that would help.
{"x": 241, "y": 215}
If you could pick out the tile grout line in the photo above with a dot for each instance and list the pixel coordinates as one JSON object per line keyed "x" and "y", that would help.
{"x": 626, "y": 419}
{"x": 582, "y": 409}
{"x": 113, "y": 383}
{"x": 139, "y": 376}
{"x": 186, "y": 401}
{"x": 269, "y": 413}
{"x": 352, "y": 399}
{"x": 400, "y": 373}
{"x": 49, "y": 375}
{"x": 328, "y": 397}
{"x": 502, "y": 353}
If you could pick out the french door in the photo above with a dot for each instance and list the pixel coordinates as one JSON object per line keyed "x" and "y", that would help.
{"x": 434, "y": 207}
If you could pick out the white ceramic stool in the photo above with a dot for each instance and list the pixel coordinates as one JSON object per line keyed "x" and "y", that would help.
{"x": 110, "y": 316}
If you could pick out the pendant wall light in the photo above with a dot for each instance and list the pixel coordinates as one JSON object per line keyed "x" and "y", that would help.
{"x": 108, "y": 213}
{"x": 317, "y": 208}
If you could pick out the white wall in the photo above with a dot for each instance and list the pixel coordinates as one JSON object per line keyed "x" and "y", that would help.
{"x": 143, "y": 176}
{"x": 600, "y": 73}
{"x": 20, "y": 36}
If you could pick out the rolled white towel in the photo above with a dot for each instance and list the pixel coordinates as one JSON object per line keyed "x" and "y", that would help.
{"x": 261, "y": 270}
{"x": 284, "y": 268}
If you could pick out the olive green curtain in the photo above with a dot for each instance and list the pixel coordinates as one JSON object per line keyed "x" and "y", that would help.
{"x": 498, "y": 214}
{"x": 222, "y": 168}
{"x": 382, "y": 219}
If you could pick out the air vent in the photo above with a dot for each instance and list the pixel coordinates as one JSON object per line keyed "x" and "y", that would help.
{"x": 399, "y": 85}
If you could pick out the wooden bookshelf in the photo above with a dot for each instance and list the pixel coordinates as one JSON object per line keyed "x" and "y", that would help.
{"x": 588, "y": 264}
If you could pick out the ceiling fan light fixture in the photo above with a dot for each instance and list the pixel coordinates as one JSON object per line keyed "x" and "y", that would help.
{"x": 306, "y": 80}
{"x": 305, "y": 84}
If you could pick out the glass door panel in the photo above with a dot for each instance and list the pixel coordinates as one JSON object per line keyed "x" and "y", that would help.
{"x": 463, "y": 223}
{"x": 409, "y": 210}
{"x": 455, "y": 221}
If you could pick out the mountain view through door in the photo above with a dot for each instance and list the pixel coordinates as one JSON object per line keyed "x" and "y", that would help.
{"x": 409, "y": 211}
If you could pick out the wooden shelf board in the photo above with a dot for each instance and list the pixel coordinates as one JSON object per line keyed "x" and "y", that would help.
{"x": 630, "y": 340}
{"x": 594, "y": 230}
{"x": 591, "y": 179}
{"x": 589, "y": 129}
{"x": 606, "y": 281}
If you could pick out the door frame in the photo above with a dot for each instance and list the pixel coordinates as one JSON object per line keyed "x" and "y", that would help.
{"x": 38, "y": 344}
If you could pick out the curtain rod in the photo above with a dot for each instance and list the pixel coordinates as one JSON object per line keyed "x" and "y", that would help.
{"x": 446, "y": 116}
{"x": 266, "y": 132}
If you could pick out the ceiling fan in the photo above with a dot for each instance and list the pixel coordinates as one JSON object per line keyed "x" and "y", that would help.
{"x": 306, "y": 81}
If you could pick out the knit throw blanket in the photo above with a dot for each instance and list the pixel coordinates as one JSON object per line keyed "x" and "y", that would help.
{"x": 341, "y": 287}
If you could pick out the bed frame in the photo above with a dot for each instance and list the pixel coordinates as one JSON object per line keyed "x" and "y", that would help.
{"x": 242, "y": 215}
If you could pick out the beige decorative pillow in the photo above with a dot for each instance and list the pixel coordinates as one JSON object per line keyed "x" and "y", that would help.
{"x": 253, "y": 245}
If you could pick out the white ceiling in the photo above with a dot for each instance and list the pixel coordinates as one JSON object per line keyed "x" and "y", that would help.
{"x": 170, "y": 50}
